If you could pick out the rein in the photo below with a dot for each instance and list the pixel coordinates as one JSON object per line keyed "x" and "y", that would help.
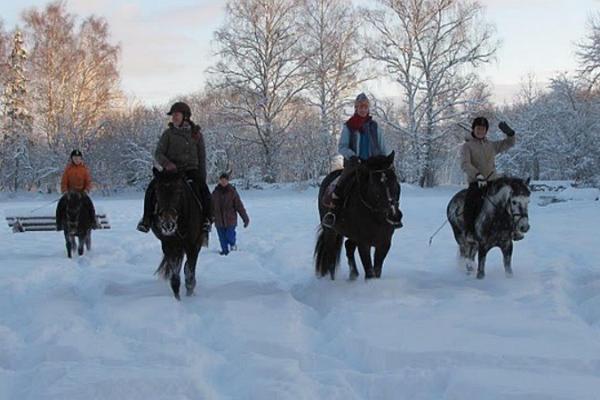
{"x": 376, "y": 210}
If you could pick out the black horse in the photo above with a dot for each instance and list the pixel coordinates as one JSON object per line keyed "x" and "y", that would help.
{"x": 368, "y": 219}
{"x": 177, "y": 223}
{"x": 77, "y": 222}
{"x": 503, "y": 219}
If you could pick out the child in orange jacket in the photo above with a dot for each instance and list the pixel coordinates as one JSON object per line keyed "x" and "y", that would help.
{"x": 76, "y": 178}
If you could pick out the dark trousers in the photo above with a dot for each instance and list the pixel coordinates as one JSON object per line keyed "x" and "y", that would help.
{"x": 473, "y": 205}
{"x": 226, "y": 237}
{"x": 61, "y": 208}
{"x": 199, "y": 187}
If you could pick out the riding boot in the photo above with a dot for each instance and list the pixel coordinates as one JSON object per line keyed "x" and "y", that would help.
{"x": 145, "y": 222}
{"x": 207, "y": 207}
{"x": 472, "y": 207}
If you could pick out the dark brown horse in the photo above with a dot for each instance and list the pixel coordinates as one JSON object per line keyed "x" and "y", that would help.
{"x": 177, "y": 223}
{"x": 77, "y": 221}
{"x": 368, "y": 219}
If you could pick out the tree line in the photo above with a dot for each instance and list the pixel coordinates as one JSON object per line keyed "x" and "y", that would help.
{"x": 284, "y": 75}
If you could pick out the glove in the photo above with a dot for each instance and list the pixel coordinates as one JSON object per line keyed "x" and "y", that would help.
{"x": 506, "y": 129}
{"x": 481, "y": 182}
{"x": 170, "y": 167}
{"x": 246, "y": 223}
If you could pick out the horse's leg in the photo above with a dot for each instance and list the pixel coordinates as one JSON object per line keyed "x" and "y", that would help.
{"x": 190, "y": 270}
{"x": 176, "y": 262}
{"x": 88, "y": 240}
{"x": 68, "y": 245}
{"x": 470, "y": 252}
{"x": 80, "y": 244}
{"x": 365, "y": 257}
{"x": 482, "y": 254}
{"x": 350, "y": 250}
{"x": 380, "y": 254}
{"x": 507, "y": 250}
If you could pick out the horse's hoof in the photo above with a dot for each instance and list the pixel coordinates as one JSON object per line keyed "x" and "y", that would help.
{"x": 480, "y": 275}
{"x": 189, "y": 292}
{"x": 177, "y": 296}
{"x": 353, "y": 277}
{"x": 508, "y": 274}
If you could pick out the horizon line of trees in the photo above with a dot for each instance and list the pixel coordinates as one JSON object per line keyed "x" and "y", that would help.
{"x": 283, "y": 82}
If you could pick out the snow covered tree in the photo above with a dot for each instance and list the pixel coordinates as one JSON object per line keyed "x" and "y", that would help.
{"x": 431, "y": 48}
{"x": 331, "y": 36}
{"x": 17, "y": 124}
{"x": 263, "y": 62}
{"x": 74, "y": 81}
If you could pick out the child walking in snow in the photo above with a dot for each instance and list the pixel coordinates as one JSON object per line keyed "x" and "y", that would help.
{"x": 227, "y": 205}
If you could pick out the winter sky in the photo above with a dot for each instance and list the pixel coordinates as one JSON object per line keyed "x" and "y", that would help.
{"x": 166, "y": 46}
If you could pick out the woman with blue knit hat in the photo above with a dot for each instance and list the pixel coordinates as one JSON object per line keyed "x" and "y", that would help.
{"x": 360, "y": 140}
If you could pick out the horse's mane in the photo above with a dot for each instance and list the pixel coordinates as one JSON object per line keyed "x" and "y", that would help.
{"x": 379, "y": 162}
{"x": 519, "y": 186}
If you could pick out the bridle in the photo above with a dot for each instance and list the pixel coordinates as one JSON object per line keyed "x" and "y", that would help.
{"x": 515, "y": 217}
{"x": 393, "y": 203}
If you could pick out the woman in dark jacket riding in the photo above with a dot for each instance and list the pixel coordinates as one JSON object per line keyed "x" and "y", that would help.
{"x": 181, "y": 148}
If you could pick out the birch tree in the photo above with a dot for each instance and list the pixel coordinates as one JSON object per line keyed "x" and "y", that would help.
{"x": 331, "y": 36}
{"x": 263, "y": 62}
{"x": 431, "y": 48}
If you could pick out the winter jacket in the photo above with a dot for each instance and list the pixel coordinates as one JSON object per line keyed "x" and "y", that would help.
{"x": 227, "y": 204}
{"x": 183, "y": 148}
{"x": 76, "y": 178}
{"x": 479, "y": 156}
{"x": 350, "y": 141}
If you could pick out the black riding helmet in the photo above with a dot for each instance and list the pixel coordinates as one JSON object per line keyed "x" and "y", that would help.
{"x": 182, "y": 108}
{"x": 76, "y": 153}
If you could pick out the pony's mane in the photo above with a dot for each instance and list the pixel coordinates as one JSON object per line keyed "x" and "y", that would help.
{"x": 518, "y": 186}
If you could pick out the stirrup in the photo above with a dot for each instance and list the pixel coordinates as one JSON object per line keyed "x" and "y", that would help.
{"x": 329, "y": 220}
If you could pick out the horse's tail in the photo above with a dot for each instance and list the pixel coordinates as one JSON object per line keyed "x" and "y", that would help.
{"x": 164, "y": 269}
{"x": 327, "y": 252}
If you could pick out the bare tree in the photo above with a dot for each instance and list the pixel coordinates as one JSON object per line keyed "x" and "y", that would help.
{"x": 332, "y": 39}
{"x": 431, "y": 49}
{"x": 74, "y": 78}
{"x": 588, "y": 52}
{"x": 262, "y": 60}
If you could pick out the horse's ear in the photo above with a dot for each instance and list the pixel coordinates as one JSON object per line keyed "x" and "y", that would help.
{"x": 390, "y": 158}
{"x": 528, "y": 180}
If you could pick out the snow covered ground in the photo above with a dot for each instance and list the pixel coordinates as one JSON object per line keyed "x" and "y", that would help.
{"x": 263, "y": 327}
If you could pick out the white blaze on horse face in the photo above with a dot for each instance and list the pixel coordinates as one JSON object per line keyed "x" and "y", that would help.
{"x": 519, "y": 206}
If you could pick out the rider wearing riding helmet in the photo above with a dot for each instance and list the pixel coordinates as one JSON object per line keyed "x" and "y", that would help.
{"x": 181, "y": 149}
{"x": 75, "y": 178}
{"x": 479, "y": 163}
{"x": 360, "y": 140}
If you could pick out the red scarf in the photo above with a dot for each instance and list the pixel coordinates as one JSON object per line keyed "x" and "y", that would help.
{"x": 356, "y": 122}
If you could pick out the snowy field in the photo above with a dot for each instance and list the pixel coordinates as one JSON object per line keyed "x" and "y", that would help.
{"x": 263, "y": 327}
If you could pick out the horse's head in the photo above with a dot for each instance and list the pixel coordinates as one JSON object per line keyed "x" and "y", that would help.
{"x": 380, "y": 191}
{"x": 169, "y": 198}
{"x": 73, "y": 210}
{"x": 514, "y": 193}
{"x": 518, "y": 207}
